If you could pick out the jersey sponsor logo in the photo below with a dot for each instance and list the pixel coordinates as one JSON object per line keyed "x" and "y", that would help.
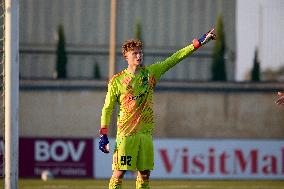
{"x": 138, "y": 96}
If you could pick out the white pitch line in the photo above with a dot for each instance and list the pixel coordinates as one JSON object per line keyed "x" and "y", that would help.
{"x": 160, "y": 187}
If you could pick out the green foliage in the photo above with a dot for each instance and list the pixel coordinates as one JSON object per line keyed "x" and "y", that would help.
{"x": 97, "y": 72}
{"x": 138, "y": 30}
{"x": 61, "y": 58}
{"x": 255, "y": 72}
{"x": 218, "y": 66}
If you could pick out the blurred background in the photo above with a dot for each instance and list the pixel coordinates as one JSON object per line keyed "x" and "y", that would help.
{"x": 225, "y": 90}
{"x": 64, "y": 64}
{"x": 164, "y": 27}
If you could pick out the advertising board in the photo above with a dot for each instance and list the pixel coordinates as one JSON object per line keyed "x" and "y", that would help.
{"x": 174, "y": 158}
{"x": 210, "y": 159}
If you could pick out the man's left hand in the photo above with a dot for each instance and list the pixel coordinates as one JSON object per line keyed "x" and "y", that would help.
{"x": 207, "y": 37}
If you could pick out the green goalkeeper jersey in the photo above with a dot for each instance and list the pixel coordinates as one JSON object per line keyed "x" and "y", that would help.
{"x": 134, "y": 95}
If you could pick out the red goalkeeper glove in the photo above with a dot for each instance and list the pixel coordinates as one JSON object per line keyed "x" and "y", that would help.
{"x": 204, "y": 39}
{"x": 104, "y": 143}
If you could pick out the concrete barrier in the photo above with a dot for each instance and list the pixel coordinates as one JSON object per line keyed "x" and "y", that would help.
{"x": 187, "y": 110}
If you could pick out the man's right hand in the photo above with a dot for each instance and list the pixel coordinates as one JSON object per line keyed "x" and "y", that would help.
{"x": 104, "y": 143}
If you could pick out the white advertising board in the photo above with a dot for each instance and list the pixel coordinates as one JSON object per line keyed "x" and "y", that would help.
{"x": 208, "y": 159}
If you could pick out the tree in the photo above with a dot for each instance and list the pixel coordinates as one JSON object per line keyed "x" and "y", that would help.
{"x": 255, "y": 71}
{"x": 218, "y": 66}
{"x": 138, "y": 32}
{"x": 61, "y": 58}
{"x": 97, "y": 72}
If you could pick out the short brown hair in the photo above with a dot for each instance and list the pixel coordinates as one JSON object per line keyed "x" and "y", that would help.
{"x": 130, "y": 44}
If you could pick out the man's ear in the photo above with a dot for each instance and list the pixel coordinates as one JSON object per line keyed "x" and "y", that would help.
{"x": 125, "y": 57}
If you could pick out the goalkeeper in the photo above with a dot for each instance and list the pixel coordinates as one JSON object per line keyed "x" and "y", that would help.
{"x": 133, "y": 89}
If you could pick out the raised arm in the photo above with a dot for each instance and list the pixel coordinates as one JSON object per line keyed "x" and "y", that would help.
{"x": 161, "y": 67}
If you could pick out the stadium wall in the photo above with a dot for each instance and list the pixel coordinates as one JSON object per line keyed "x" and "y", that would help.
{"x": 186, "y": 110}
{"x": 166, "y": 27}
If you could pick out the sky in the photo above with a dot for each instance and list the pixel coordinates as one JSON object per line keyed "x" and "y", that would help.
{"x": 260, "y": 24}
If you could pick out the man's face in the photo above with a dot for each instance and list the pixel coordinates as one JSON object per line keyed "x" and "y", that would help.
{"x": 134, "y": 57}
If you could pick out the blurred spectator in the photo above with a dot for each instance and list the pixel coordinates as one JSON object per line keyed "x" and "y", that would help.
{"x": 280, "y": 100}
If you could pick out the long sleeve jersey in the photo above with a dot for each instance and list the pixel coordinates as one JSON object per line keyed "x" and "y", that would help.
{"x": 134, "y": 95}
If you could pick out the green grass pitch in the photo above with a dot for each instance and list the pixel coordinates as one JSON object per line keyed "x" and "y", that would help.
{"x": 154, "y": 184}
